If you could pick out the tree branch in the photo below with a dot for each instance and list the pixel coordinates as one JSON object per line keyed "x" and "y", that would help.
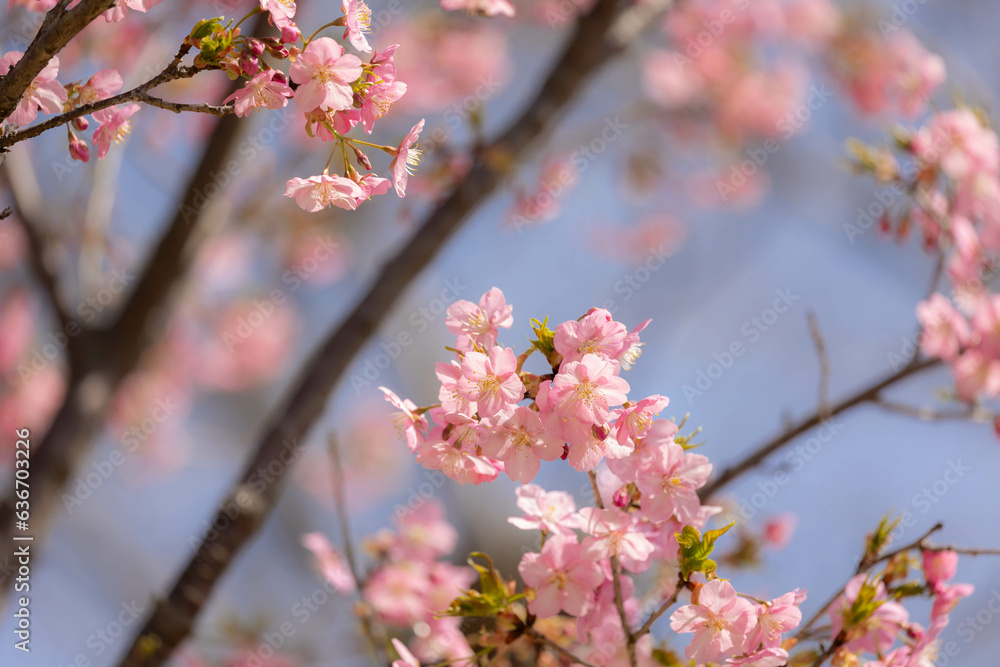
{"x": 173, "y": 72}
{"x": 870, "y": 394}
{"x": 109, "y": 355}
{"x": 26, "y": 200}
{"x": 589, "y": 47}
{"x": 58, "y": 27}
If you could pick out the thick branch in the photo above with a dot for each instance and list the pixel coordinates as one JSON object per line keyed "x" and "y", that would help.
{"x": 58, "y": 27}
{"x": 759, "y": 454}
{"x": 589, "y": 47}
{"x": 109, "y": 355}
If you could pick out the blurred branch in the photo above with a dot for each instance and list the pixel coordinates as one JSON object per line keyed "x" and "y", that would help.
{"x": 26, "y": 200}
{"x": 538, "y": 636}
{"x": 109, "y": 355}
{"x": 58, "y": 27}
{"x": 824, "y": 365}
{"x": 870, "y": 394}
{"x": 589, "y": 48}
{"x": 372, "y": 628}
{"x": 972, "y": 413}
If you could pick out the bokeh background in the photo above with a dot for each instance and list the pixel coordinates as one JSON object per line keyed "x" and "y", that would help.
{"x": 124, "y": 542}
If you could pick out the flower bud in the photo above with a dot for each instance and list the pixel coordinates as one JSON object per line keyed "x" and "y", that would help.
{"x": 77, "y": 149}
{"x": 80, "y": 123}
{"x": 255, "y": 46}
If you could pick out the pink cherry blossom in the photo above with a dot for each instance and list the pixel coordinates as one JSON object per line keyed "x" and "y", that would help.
{"x": 632, "y": 348}
{"x": 597, "y": 333}
{"x": 720, "y": 622}
{"x": 325, "y": 74}
{"x": 372, "y": 185}
{"x": 778, "y": 529}
{"x": 945, "y": 330}
{"x": 406, "y": 658}
{"x": 669, "y": 485}
{"x": 939, "y": 567}
{"x": 483, "y": 7}
{"x": 318, "y": 192}
{"x": 262, "y": 91}
{"x": 378, "y": 100}
{"x": 614, "y": 533}
{"x": 424, "y": 533}
{"x": 634, "y": 422}
{"x": 117, "y": 13}
{"x": 359, "y": 21}
{"x": 480, "y": 322}
{"x": 491, "y": 380}
{"x": 332, "y": 564}
{"x": 877, "y": 632}
{"x": 113, "y": 126}
{"x": 947, "y": 596}
{"x": 976, "y": 373}
{"x": 522, "y": 443}
{"x": 462, "y": 466}
{"x": 549, "y": 511}
{"x": 44, "y": 93}
{"x": 406, "y": 158}
{"x": 586, "y": 389}
{"x": 766, "y": 657}
{"x": 408, "y": 423}
{"x": 774, "y": 619}
{"x": 563, "y": 575}
{"x": 281, "y": 12}
{"x": 398, "y": 592}
{"x": 100, "y": 86}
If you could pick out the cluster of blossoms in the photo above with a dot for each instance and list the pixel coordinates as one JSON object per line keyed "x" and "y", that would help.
{"x": 867, "y": 618}
{"x": 948, "y": 182}
{"x": 334, "y": 90}
{"x": 738, "y": 73}
{"x": 581, "y": 413}
{"x": 407, "y": 586}
{"x": 648, "y": 521}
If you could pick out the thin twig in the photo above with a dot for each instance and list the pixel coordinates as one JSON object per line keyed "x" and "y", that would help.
{"x": 759, "y": 454}
{"x": 535, "y": 634}
{"x": 863, "y": 566}
{"x": 973, "y": 413}
{"x": 373, "y": 629}
{"x": 667, "y": 604}
{"x": 173, "y": 72}
{"x": 824, "y": 365}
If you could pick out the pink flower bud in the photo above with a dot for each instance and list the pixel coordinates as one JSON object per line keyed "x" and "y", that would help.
{"x": 280, "y": 77}
{"x": 255, "y": 46}
{"x": 249, "y": 65}
{"x": 622, "y": 497}
{"x": 77, "y": 149}
{"x": 939, "y": 567}
{"x": 80, "y": 123}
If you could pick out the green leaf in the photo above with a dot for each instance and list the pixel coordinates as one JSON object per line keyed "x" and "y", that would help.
{"x": 696, "y": 548}
{"x": 545, "y": 341}
{"x": 494, "y": 594}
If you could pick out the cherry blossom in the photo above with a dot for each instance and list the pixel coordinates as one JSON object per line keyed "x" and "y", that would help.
{"x": 405, "y": 159}
{"x": 720, "y": 621}
{"x": 480, "y": 322}
{"x": 491, "y": 381}
{"x": 549, "y": 511}
{"x": 325, "y": 74}
{"x": 113, "y": 126}
{"x": 318, "y": 192}
{"x": 262, "y": 91}
{"x": 44, "y": 94}
{"x": 563, "y": 576}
